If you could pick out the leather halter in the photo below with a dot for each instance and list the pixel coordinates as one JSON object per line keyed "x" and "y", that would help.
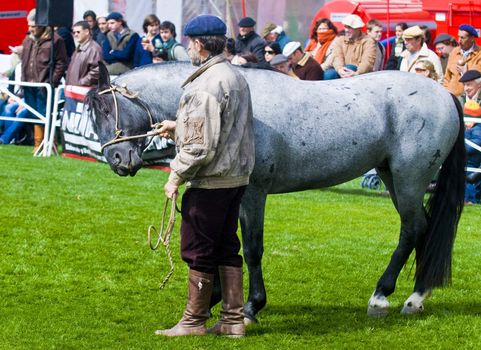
{"x": 124, "y": 91}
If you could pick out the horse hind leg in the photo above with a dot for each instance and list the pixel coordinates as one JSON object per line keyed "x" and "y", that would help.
{"x": 407, "y": 197}
{"x": 252, "y": 225}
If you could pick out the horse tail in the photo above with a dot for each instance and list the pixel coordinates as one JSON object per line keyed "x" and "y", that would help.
{"x": 443, "y": 211}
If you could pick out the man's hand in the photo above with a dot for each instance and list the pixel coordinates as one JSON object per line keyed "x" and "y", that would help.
{"x": 171, "y": 189}
{"x": 167, "y": 129}
{"x": 346, "y": 72}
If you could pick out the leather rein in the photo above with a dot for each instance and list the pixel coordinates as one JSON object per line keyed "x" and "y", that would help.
{"x": 131, "y": 95}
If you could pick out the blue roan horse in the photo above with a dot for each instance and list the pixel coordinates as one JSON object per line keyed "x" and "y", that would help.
{"x": 319, "y": 134}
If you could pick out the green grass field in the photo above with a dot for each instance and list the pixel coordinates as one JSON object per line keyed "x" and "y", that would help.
{"x": 76, "y": 271}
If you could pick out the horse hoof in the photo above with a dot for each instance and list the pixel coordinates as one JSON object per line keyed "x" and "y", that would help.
{"x": 411, "y": 308}
{"x": 248, "y": 321}
{"x": 378, "y": 306}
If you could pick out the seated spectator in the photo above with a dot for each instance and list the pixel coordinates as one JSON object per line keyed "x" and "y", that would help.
{"x": 426, "y": 68}
{"x": 146, "y": 44}
{"x": 302, "y": 64}
{"x": 467, "y": 56}
{"x": 103, "y": 30}
{"x": 320, "y": 45}
{"x": 159, "y": 56}
{"x": 271, "y": 50}
{"x": 281, "y": 63}
{"x": 353, "y": 54}
{"x": 229, "y": 51}
{"x": 274, "y": 33}
{"x": 10, "y": 130}
{"x": 444, "y": 44}
{"x": 374, "y": 30}
{"x": 175, "y": 51}
{"x": 91, "y": 19}
{"x": 394, "y": 60}
{"x": 84, "y": 66}
{"x": 471, "y": 100}
{"x": 417, "y": 50}
{"x": 248, "y": 40}
{"x": 119, "y": 48}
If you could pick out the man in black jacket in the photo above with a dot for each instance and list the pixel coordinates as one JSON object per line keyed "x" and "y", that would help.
{"x": 248, "y": 40}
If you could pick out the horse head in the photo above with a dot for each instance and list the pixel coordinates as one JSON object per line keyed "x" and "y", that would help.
{"x": 121, "y": 121}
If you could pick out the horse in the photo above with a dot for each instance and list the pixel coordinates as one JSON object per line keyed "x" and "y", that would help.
{"x": 312, "y": 135}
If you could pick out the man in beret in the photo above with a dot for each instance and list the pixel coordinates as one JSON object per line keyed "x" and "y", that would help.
{"x": 417, "y": 50}
{"x": 444, "y": 44}
{"x": 465, "y": 57}
{"x": 215, "y": 156}
{"x": 248, "y": 40}
{"x": 119, "y": 47}
{"x": 471, "y": 101}
{"x": 303, "y": 64}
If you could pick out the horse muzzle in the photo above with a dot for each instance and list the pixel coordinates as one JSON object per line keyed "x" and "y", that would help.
{"x": 124, "y": 163}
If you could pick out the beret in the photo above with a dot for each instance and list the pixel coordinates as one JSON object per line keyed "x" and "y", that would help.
{"x": 115, "y": 15}
{"x": 353, "y": 21}
{"x": 469, "y": 29}
{"x": 269, "y": 27}
{"x": 413, "y": 32}
{"x": 247, "y": 22}
{"x": 290, "y": 48}
{"x": 205, "y": 25}
{"x": 442, "y": 38}
{"x": 278, "y": 59}
{"x": 470, "y": 75}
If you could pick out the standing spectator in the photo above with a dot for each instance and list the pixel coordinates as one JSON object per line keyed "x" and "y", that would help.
{"x": 91, "y": 19}
{"x": 416, "y": 50}
{"x": 35, "y": 67}
{"x": 466, "y": 56}
{"x": 274, "y": 33}
{"x": 119, "y": 48}
{"x": 146, "y": 44}
{"x": 270, "y": 50}
{"x": 374, "y": 30}
{"x": 471, "y": 100}
{"x": 103, "y": 30}
{"x": 84, "y": 65}
{"x": 444, "y": 44}
{"x": 303, "y": 65}
{"x": 394, "y": 60}
{"x": 175, "y": 51}
{"x": 248, "y": 40}
{"x": 215, "y": 156}
{"x": 321, "y": 44}
{"x": 353, "y": 54}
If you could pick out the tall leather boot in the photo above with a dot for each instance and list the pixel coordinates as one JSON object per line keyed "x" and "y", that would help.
{"x": 37, "y": 136}
{"x": 197, "y": 310}
{"x": 231, "y": 323}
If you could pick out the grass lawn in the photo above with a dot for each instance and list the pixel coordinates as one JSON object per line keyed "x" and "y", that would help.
{"x": 76, "y": 271}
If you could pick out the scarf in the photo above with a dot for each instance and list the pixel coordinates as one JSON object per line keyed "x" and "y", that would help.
{"x": 325, "y": 40}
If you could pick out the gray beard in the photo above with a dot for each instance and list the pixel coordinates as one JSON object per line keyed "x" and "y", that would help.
{"x": 195, "y": 58}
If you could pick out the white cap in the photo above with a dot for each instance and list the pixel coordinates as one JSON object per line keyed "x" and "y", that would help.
{"x": 353, "y": 21}
{"x": 277, "y": 30}
{"x": 290, "y": 48}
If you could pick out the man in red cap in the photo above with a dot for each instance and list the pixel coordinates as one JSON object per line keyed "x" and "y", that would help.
{"x": 466, "y": 56}
{"x": 215, "y": 156}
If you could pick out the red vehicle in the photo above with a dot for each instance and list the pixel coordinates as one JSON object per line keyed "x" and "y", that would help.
{"x": 440, "y": 16}
{"x": 13, "y": 22}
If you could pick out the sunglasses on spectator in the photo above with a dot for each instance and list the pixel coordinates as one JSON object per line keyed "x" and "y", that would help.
{"x": 270, "y": 52}
{"x": 419, "y": 69}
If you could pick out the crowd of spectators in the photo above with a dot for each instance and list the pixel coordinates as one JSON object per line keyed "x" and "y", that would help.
{"x": 328, "y": 53}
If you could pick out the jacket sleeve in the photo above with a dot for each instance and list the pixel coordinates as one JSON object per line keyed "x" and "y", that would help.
{"x": 127, "y": 54}
{"x": 106, "y": 48}
{"x": 197, "y": 135}
{"x": 92, "y": 76}
{"x": 368, "y": 58}
{"x": 338, "y": 60}
{"x": 61, "y": 61}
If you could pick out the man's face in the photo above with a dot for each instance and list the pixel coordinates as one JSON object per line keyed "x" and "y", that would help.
{"x": 166, "y": 35}
{"x": 472, "y": 87}
{"x": 91, "y": 21}
{"x": 375, "y": 33}
{"x": 271, "y": 37}
{"x": 81, "y": 35}
{"x": 102, "y": 23}
{"x": 294, "y": 57}
{"x": 466, "y": 40}
{"x": 443, "y": 49}
{"x": 115, "y": 26}
{"x": 413, "y": 44}
{"x": 35, "y": 30}
{"x": 245, "y": 30}
{"x": 153, "y": 28}
{"x": 283, "y": 67}
{"x": 193, "y": 51}
{"x": 351, "y": 33}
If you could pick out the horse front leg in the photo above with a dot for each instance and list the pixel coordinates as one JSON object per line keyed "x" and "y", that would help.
{"x": 415, "y": 303}
{"x": 252, "y": 225}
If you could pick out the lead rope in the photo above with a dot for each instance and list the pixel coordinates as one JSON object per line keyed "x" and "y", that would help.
{"x": 165, "y": 238}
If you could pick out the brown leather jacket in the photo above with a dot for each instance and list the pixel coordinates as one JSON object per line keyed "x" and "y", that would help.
{"x": 36, "y": 58}
{"x": 84, "y": 65}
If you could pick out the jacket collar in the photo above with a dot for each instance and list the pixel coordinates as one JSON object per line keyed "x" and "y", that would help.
{"x": 213, "y": 61}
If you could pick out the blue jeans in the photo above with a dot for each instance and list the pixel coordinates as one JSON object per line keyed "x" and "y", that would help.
{"x": 36, "y": 98}
{"x": 11, "y": 128}
{"x": 331, "y": 73}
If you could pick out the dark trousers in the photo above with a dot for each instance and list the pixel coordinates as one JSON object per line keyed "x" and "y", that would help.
{"x": 208, "y": 237}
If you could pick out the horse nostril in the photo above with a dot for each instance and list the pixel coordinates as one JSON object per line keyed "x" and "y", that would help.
{"x": 117, "y": 158}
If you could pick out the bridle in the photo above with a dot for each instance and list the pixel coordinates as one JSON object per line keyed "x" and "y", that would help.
{"x": 131, "y": 95}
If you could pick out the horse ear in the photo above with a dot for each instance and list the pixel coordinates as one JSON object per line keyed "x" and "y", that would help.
{"x": 104, "y": 77}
